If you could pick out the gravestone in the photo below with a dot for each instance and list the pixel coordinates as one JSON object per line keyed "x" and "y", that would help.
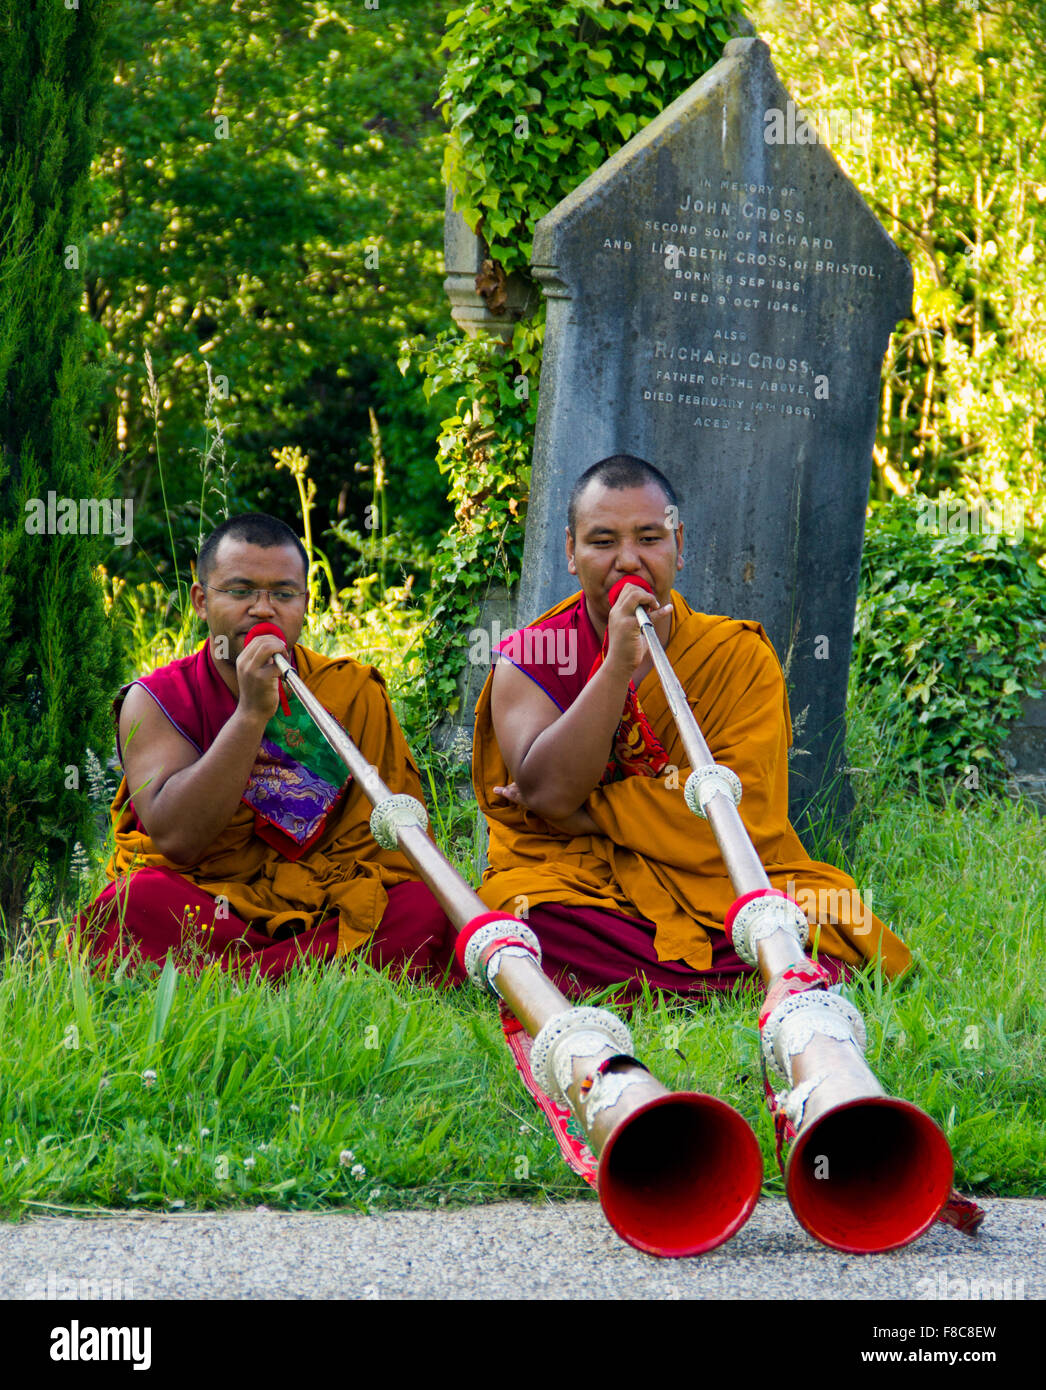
{"x": 720, "y": 299}
{"x": 1024, "y": 751}
{"x": 483, "y": 303}
{"x": 468, "y": 265}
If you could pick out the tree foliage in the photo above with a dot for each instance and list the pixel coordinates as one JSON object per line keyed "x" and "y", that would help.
{"x": 267, "y": 200}
{"x": 539, "y": 96}
{"x": 58, "y": 667}
{"x": 955, "y": 167}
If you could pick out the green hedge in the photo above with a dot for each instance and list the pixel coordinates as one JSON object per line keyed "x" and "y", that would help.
{"x": 951, "y": 628}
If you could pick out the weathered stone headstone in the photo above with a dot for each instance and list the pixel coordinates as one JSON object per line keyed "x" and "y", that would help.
{"x": 468, "y": 264}
{"x": 719, "y": 304}
{"x": 1024, "y": 751}
{"x": 490, "y": 312}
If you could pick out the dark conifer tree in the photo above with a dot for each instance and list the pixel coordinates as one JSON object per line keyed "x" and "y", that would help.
{"x": 57, "y": 660}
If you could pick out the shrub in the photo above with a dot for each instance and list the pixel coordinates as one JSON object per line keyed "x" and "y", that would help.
{"x": 953, "y": 627}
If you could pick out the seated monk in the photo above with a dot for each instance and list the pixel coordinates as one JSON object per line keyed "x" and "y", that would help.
{"x": 579, "y": 768}
{"x": 239, "y": 834}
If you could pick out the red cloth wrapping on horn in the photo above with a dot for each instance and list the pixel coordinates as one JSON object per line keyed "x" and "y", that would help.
{"x": 270, "y": 629}
{"x": 637, "y": 750}
{"x": 473, "y": 925}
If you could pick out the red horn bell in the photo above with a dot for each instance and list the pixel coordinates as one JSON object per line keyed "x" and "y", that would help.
{"x": 680, "y": 1175}
{"x": 869, "y": 1175}
{"x": 679, "y": 1172}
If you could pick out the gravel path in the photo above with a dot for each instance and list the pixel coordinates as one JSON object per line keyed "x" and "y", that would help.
{"x": 504, "y": 1251}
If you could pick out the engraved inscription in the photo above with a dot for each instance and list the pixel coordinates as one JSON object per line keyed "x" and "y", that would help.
{"x": 747, "y": 255}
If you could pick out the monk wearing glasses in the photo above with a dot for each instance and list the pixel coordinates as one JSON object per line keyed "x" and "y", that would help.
{"x": 240, "y": 835}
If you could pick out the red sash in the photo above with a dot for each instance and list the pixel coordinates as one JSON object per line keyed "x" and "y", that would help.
{"x": 636, "y": 750}
{"x": 554, "y": 654}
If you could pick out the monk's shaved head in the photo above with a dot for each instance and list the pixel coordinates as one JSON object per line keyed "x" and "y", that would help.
{"x": 256, "y": 528}
{"x": 618, "y": 472}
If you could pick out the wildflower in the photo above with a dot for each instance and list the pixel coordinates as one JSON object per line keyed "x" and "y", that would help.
{"x": 79, "y": 861}
{"x": 178, "y": 1202}
{"x": 264, "y": 1148}
{"x": 204, "y": 1133}
{"x": 100, "y": 792}
{"x": 344, "y": 1158}
{"x": 149, "y": 1076}
{"x": 249, "y": 1161}
{"x": 295, "y": 1110}
{"x": 358, "y": 1171}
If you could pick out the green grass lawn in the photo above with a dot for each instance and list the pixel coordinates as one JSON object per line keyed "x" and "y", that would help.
{"x": 341, "y": 1088}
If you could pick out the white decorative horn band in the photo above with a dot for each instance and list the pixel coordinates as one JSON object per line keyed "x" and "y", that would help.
{"x": 706, "y": 782}
{"x": 793, "y": 1103}
{"x": 517, "y": 939}
{"x": 761, "y": 918}
{"x": 800, "y": 1018}
{"x": 396, "y": 812}
{"x": 608, "y": 1087}
{"x": 580, "y": 1032}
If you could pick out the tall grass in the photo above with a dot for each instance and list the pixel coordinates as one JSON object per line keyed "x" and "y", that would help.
{"x": 163, "y": 1089}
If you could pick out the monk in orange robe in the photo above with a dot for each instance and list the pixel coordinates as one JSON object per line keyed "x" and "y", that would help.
{"x": 579, "y": 768}
{"x": 240, "y": 835}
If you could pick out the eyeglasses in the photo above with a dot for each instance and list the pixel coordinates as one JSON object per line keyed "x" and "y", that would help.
{"x": 243, "y": 595}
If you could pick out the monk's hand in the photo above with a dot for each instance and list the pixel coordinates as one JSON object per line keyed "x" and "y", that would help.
{"x": 626, "y": 646}
{"x": 258, "y": 678}
{"x": 510, "y": 793}
{"x": 579, "y": 822}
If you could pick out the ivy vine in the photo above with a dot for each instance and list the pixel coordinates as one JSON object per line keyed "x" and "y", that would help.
{"x": 537, "y": 97}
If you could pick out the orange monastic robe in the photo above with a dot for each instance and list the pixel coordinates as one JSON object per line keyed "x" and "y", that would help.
{"x": 653, "y": 858}
{"x": 344, "y": 871}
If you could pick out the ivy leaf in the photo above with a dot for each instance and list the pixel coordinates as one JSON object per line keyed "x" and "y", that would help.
{"x": 620, "y": 84}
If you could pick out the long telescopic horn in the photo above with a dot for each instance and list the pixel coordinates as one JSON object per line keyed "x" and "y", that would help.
{"x": 679, "y": 1172}
{"x": 866, "y": 1172}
